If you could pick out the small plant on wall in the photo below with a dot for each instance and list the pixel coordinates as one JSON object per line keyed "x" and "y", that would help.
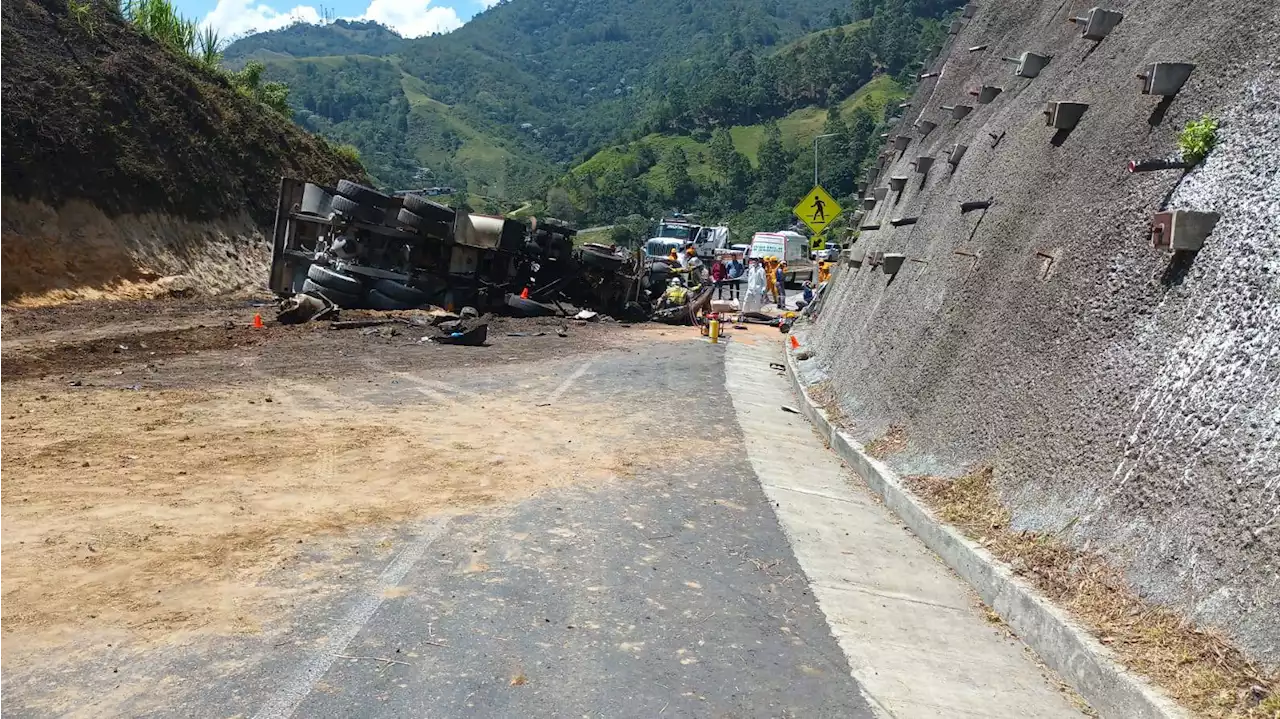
{"x": 1197, "y": 139}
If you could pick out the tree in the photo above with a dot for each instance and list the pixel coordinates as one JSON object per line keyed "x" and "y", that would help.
{"x": 734, "y": 171}
{"x": 773, "y": 161}
{"x": 682, "y": 190}
{"x": 837, "y": 168}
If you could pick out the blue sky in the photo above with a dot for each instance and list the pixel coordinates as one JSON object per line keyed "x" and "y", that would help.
{"x": 411, "y": 18}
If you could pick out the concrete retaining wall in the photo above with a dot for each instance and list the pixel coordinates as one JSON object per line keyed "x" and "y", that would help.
{"x": 1129, "y": 400}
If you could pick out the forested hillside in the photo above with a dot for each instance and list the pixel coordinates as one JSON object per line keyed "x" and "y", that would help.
{"x": 599, "y": 110}
{"x": 729, "y": 136}
{"x": 543, "y": 81}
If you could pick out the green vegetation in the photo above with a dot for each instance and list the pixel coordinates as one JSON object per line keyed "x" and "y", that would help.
{"x": 249, "y": 82}
{"x": 749, "y": 174}
{"x": 522, "y": 91}
{"x": 612, "y": 109}
{"x": 1197, "y": 139}
{"x": 161, "y": 21}
{"x": 82, "y": 14}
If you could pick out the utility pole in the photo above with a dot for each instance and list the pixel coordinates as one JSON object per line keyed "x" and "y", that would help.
{"x": 815, "y": 155}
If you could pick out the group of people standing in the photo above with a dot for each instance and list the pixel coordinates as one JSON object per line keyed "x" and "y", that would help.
{"x": 766, "y": 281}
{"x": 765, "y": 277}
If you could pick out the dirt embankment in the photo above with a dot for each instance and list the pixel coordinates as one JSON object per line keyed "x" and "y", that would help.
{"x": 79, "y": 253}
{"x": 103, "y": 126}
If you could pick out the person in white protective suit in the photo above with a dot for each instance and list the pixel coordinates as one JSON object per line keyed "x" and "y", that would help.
{"x": 754, "y": 299}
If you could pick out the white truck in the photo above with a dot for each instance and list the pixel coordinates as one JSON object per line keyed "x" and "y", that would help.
{"x": 705, "y": 239}
{"x": 790, "y": 247}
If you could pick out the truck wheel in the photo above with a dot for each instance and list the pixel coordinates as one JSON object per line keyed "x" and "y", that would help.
{"x": 379, "y": 301}
{"x": 400, "y": 292}
{"x": 334, "y": 280}
{"x": 528, "y": 308}
{"x": 344, "y": 300}
{"x": 428, "y": 210}
{"x": 418, "y": 223}
{"x": 362, "y": 195}
{"x": 601, "y": 260}
{"x": 356, "y": 211}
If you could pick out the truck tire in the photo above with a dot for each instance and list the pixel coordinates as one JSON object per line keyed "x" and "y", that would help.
{"x": 601, "y": 260}
{"x": 378, "y": 301}
{"x": 356, "y": 211}
{"x": 334, "y": 280}
{"x": 428, "y": 210}
{"x": 418, "y": 223}
{"x": 362, "y": 195}
{"x": 344, "y": 300}
{"x": 521, "y": 307}
{"x": 401, "y": 292}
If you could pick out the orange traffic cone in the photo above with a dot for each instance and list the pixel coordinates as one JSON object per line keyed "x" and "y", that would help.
{"x": 795, "y": 343}
{"x": 257, "y": 320}
{"x": 524, "y": 294}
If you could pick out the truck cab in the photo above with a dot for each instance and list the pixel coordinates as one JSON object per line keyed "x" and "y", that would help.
{"x": 705, "y": 239}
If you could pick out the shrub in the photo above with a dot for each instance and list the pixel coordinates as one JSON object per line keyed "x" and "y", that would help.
{"x": 1197, "y": 139}
{"x": 248, "y": 82}
{"x": 161, "y": 21}
{"x": 349, "y": 152}
{"x": 208, "y": 51}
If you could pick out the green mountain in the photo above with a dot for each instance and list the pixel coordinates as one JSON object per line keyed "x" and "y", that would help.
{"x": 521, "y": 88}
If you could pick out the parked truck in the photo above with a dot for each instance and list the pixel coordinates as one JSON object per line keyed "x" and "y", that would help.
{"x": 686, "y": 231}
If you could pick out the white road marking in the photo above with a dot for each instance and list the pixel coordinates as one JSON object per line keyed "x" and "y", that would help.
{"x": 292, "y": 692}
{"x": 564, "y": 386}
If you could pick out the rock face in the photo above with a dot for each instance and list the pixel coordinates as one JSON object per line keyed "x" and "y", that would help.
{"x": 1127, "y": 397}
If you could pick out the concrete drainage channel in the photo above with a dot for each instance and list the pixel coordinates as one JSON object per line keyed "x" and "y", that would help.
{"x": 1060, "y": 643}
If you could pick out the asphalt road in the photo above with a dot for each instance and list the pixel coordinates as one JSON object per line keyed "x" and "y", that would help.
{"x": 670, "y": 593}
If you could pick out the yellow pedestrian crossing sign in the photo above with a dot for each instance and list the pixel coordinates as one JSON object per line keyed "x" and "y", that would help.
{"x": 817, "y": 210}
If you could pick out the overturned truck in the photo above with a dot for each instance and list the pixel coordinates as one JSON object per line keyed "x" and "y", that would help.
{"x": 358, "y": 248}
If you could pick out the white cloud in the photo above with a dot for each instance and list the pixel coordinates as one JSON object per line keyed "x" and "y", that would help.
{"x": 234, "y": 18}
{"x": 412, "y": 18}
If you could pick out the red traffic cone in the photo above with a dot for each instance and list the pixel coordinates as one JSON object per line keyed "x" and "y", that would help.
{"x": 795, "y": 343}
{"x": 524, "y": 294}
{"x": 257, "y": 320}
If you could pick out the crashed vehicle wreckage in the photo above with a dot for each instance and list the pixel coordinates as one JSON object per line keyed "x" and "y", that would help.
{"x": 352, "y": 247}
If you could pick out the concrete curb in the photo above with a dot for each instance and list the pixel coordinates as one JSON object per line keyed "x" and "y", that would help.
{"x": 1062, "y": 645}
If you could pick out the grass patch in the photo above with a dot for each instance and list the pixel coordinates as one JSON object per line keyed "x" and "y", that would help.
{"x": 1198, "y": 668}
{"x": 891, "y": 442}
{"x": 873, "y": 96}
{"x": 603, "y": 237}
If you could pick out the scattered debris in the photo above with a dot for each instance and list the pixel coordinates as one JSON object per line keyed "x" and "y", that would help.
{"x": 357, "y": 324}
{"x": 374, "y": 659}
{"x": 303, "y": 307}
{"x": 792, "y": 410}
